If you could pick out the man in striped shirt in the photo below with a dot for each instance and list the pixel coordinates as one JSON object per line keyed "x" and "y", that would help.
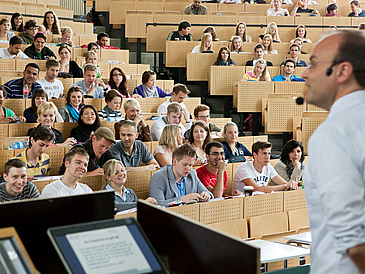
{"x": 37, "y": 162}
{"x": 16, "y": 186}
{"x": 14, "y": 88}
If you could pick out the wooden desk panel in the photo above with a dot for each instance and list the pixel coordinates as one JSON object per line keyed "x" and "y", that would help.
{"x": 223, "y": 79}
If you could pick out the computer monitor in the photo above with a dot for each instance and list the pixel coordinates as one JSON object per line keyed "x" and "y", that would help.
{"x": 188, "y": 246}
{"x": 32, "y": 218}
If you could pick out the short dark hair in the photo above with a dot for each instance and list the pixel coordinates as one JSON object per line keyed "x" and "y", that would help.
{"x": 289, "y": 61}
{"x": 331, "y": 7}
{"x": 4, "y": 91}
{"x": 128, "y": 123}
{"x": 31, "y": 24}
{"x": 355, "y": 2}
{"x": 16, "y": 40}
{"x": 111, "y": 94}
{"x": 33, "y": 65}
{"x": 259, "y": 145}
{"x": 288, "y": 147}
{"x": 146, "y": 76}
{"x": 92, "y": 44}
{"x": 41, "y": 133}
{"x": 212, "y": 144}
{"x": 294, "y": 45}
{"x": 180, "y": 87}
{"x": 101, "y": 35}
{"x": 258, "y": 46}
{"x": 76, "y": 151}
{"x": 17, "y": 163}
{"x": 40, "y": 35}
{"x": 183, "y": 25}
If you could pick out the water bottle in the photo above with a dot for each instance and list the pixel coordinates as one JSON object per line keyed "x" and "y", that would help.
{"x": 18, "y": 145}
{"x": 251, "y": 1}
{"x": 25, "y": 91}
{"x": 98, "y": 73}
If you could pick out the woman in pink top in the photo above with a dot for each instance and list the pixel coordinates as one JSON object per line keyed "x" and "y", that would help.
{"x": 258, "y": 73}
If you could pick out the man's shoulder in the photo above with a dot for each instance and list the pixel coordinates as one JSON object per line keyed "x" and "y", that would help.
{"x": 278, "y": 78}
{"x": 139, "y": 144}
{"x": 202, "y": 170}
{"x": 161, "y": 173}
{"x": 14, "y": 81}
{"x": 45, "y": 158}
{"x": 78, "y": 83}
{"x": 84, "y": 188}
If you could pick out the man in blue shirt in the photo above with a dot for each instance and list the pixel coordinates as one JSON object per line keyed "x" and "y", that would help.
{"x": 14, "y": 88}
{"x": 294, "y": 51}
{"x": 92, "y": 86}
{"x": 288, "y": 76}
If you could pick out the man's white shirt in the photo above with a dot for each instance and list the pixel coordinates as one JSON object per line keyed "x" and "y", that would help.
{"x": 4, "y": 53}
{"x": 54, "y": 90}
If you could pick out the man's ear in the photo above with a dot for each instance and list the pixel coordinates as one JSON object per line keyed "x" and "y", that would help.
{"x": 5, "y": 177}
{"x": 174, "y": 161}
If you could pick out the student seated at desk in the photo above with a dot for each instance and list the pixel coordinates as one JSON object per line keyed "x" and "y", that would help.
{"x": 171, "y": 138}
{"x": 46, "y": 117}
{"x": 118, "y": 81}
{"x": 273, "y": 30}
{"x": 68, "y": 67}
{"x": 17, "y": 22}
{"x": 236, "y": 45}
{"x": 301, "y": 32}
{"x": 65, "y": 38}
{"x": 258, "y": 73}
{"x": 38, "y": 162}
{"x": 211, "y": 31}
{"x": 213, "y": 175}
{"x": 50, "y": 23}
{"x": 16, "y": 186}
{"x": 205, "y": 44}
{"x": 7, "y": 115}
{"x": 74, "y": 104}
{"x": 258, "y": 172}
{"x": 114, "y": 178}
{"x": 224, "y": 58}
{"x": 5, "y": 33}
{"x": 233, "y": 148}
{"x": 111, "y": 112}
{"x": 291, "y": 164}
{"x": 179, "y": 182}
{"x": 39, "y": 96}
{"x": 199, "y": 138}
{"x": 259, "y": 52}
{"x": 148, "y": 89}
{"x": 76, "y": 161}
{"x": 241, "y": 31}
{"x": 267, "y": 43}
{"x": 182, "y": 34}
{"x": 288, "y": 75}
{"x": 88, "y": 122}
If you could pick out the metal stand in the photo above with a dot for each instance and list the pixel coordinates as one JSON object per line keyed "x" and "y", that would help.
{"x": 122, "y": 37}
{"x": 139, "y": 50}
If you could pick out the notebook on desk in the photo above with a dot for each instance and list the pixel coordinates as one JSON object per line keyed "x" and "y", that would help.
{"x": 108, "y": 246}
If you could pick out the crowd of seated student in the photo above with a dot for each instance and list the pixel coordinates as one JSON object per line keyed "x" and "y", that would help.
{"x": 205, "y": 44}
{"x": 17, "y": 22}
{"x": 111, "y": 111}
{"x": 47, "y": 112}
{"x": 68, "y": 66}
{"x": 88, "y": 122}
{"x": 5, "y": 33}
{"x": 7, "y": 115}
{"x": 148, "y": 88}
{"x": 224, "y": 58}
{"x": 171, "y": 137}
{"x": 199, "y": 138}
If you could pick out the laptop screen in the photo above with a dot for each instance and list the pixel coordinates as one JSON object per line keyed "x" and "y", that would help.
{"x": 113, "y": 246}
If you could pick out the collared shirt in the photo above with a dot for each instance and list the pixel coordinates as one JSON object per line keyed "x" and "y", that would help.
{"x": 14, "y": 89}
{"x": 335, "y": 186}
{"x": 99, "y": 92}
{"x": 42, "y": 168}
{"x": 139, "y": 154}
{"x": 281, "y": 78}
{"x": 181, "y": 187}
{"x": 128, "y": 194}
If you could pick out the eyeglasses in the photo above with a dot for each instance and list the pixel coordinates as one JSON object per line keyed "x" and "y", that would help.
{"x": 119, "y": 74}
{"x": 217, "y": 153}
{"x": 33, "y": 29}
{"x": 204, "y": 117}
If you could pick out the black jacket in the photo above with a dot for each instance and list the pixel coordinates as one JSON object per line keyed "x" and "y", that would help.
{"x": 45, "y": 53}
{"x": 94, "y": 163}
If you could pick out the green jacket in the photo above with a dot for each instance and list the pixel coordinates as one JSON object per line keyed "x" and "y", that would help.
{"x": 26, "y": 38}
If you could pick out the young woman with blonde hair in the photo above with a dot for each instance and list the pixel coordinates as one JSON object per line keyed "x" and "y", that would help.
{"x": 205, "y": 44}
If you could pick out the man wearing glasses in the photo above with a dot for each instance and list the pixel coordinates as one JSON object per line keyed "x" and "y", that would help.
{"x": 202, "y": 113}
{"x": 213, "y": 175}
{"x": 335, "y": 188}
{"x": 30, "y": 30}
{"x": 14, "y": 88}
{"x": 196, "y": 8}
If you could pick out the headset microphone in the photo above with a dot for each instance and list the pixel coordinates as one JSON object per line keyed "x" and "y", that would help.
{"x": 299, "y": 101}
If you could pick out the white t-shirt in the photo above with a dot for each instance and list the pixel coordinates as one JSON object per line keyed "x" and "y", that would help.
{"x": 247, "y": 170}
{"x": 54, "y": 90}
{"x": 272, "y": 10}
{"x": 4, "y": 53}
{"x": 58, "y": 188}
{"x": 163, "y": 107}
{"x": 196, "y": 49}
